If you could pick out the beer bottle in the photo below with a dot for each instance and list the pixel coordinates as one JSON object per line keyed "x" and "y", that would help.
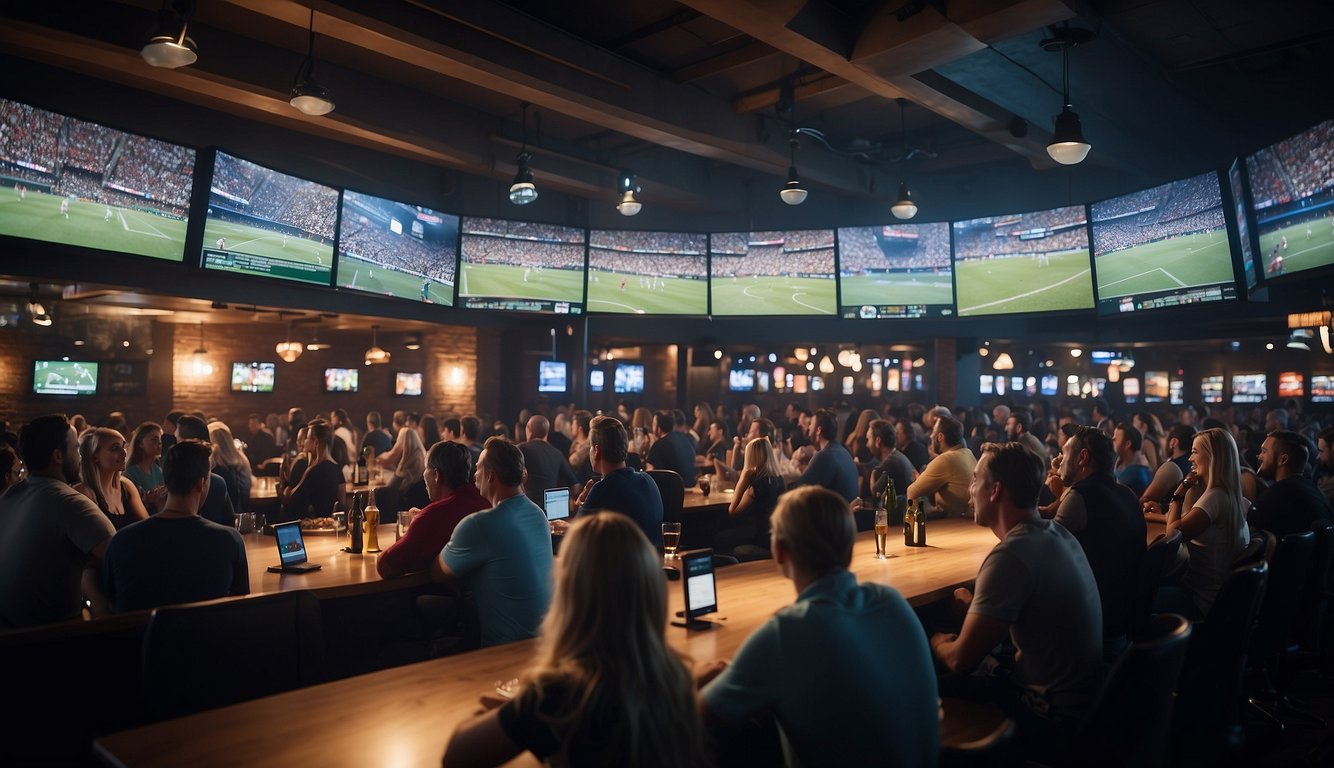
{"x": 354, "y": 525}
{"x": 908, "y": 516}
{"x": 891, "y": 503}
{"x": 372, "y": 516}
{"x": 919, "y": 524}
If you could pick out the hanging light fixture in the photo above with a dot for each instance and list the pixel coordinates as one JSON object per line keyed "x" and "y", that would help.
{"x": 307, "y": 95}
{"x": 201, "y": 366}
{"x": 1003, "y": 362}
{"x": 523, "y": 191}
{"x": 628, "y": 206}
{"x": 904, "y": 207}
{"x": 792, "y": 193}
{"x": 375, "y": 355}
{"x": 36, "y": 310}
{"x": 315, "y": 344}
{"x": 826, "y": 365}
{"x": 1067, "y": 146}
{"x": 289, "y": 350}
{"x": 413, "y": 341}
{"x": 170, "y": 46}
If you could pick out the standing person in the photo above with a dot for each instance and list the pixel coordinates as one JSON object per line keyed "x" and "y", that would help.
{"x": 1292, "y": 503}
{"x": 217, "y": 505}
{"x": 756, "y": 494}
{"x": 501, "y": 555}
{"x": 1035, "y": 587}
{"x": 101, "y": 467}
{"x": 832, "y": 466}
{"x": 52, "y": 538}
{"x": 1213, "y": 523}
{"x": 948, "y": 475}
{"x": 142, "y": 467}
{"x": 176, "y": 556}
{"x": 671, "y": 449}
{"x": 547, "y": 466}
{"x": 619, "y": 488}
{"x": 853, "y": 629}
{"x": 453, "y": 497}
{"x": 1132, "y": 469}
{"x": 230, "y": 465}
{"x": 605, "y": 688}
{"x": 321, "y": 485}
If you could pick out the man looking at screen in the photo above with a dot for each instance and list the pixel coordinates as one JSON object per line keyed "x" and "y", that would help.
{"x": 832, "y": 465}
{"x": 947, "y": 476}
{"x": 547, "y": 466}
{"x": 453, "y": 497}
{"x": 620, "y": 489}
{"x": 671, "y": 449}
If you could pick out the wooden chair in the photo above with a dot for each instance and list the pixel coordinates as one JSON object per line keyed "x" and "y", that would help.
{"x": 206, "y": 655}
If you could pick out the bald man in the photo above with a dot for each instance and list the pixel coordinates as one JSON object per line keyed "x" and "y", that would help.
{"x": 547, "y": 466}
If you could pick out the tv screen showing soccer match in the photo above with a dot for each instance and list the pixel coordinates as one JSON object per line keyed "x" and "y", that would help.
{"x": 1025, "y": 262}
{"x": 1163, "y": 247}
{"x": 341, "y": 379}
{"x": 551, "y": 376}
{"x": 1242, "y": 223}
{"x": 627, "y": 378}
{"x": 773, "y": 273}
{"x": 524, "y": 266}
{"x": 648, "y": 273}
{"x": 64, "y": 377}
{"x": 266, "y": 223}
{"x": 408, "y": 383}
{"x": 1292, "y": 192}
{"x": 896, "y": 270}
{"x": 69, "y": 181}
{"x": 396, "y": 249}
{"x": 252, "y": 377}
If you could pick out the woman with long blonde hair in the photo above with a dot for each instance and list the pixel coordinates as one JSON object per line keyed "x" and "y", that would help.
{"x": 754, "y": 498}
{"x": 405, "y": 489}
{"x": 605, "y": 688}
{"x": 102, "y": 458}
{"x": 230, "y": 464}
{"x": 641, "y": 431}
{"x": 1210, "y": 511}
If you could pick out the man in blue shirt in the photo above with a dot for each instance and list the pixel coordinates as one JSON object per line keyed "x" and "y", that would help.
{"x": 671, "y": 449}
{"x": 621, "y": 489}
{"x": 832, "y": 466}
{"x": 217, "y": 505}
{"x": 502, "y": 555}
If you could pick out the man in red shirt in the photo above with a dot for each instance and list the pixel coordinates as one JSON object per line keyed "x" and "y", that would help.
{"x": 453, "y": 497}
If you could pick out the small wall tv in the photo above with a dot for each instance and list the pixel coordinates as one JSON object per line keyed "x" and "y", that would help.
{"x": 550, "y": 376}
{"x": 741, "y": 379}
{"x": 252, "y": 377}
{"x": 408, "y": 384}
{"x": 341, "y": 379}
{"x": 628, "y": 378}
{"x": 64, "y": 377}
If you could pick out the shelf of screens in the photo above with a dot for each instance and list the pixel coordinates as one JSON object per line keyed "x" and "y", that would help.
{"x": 1205, "y": 238}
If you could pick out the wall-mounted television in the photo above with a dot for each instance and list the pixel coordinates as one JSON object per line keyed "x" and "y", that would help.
{"x": 521, "y": 266}
{"x": 341, "y": 379}
{"x": 1211, "y": 389}
{"x": 1249, "y": 388}
{"x": 408, "y": 383}
{"x": 1023, "y": 262}
{"x": 986, "y": 384}
{"x": 1163, "y": 247}
{"x": 628, "y": 378}
{"x": 597, "y": 379}
{"x": 1177, "y": 392}
{"x": 267, "y": 223}
{"x": 1237, "y": 212}
{"x": 1130, "y": 389}
{"x": 648, "y": 273}
{"x": 1155, "y": 386}
{"x": 253, "y": 377}
{"x": 69, "y": 181}
{"x": 1322, "y": 388}
{"x": 1049, "y": 385}
{"x": 773, "y": 273}
{"x": 397, "y": 249}
{"x": 550, "y": 376}
{"x": 761, "y": 381}
{"x": 1291, "y": 384}
{"x": 896, "y": 270}
{"x": 64, "y": 377}
{"x": 1292, "y": 195}
{"x": 741, "y": 379}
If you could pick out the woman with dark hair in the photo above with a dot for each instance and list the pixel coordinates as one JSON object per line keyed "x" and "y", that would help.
{"x": 143, "y": 469}
{"x": 430, "y": 431}
{"x": 322, "y": 484}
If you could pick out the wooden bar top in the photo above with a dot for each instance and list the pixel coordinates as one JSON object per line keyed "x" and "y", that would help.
{"x": 342, "y": 574}
{"x": 404, "y": 716}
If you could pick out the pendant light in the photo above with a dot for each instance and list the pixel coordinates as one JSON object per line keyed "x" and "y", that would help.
{"x": 1068, "y": 145}
{"x": 628, "y": 186}
{"x": 201, "y": 366}
{"x": 307, "y": 95}
{"x": 375, "y": 355}
{"x": 170, "y": 46}
{"x": 904, "y": 207}
{"x": 523, "y": 191}
{"x": 792, "y": 193}
{"x": 289, "y": 350}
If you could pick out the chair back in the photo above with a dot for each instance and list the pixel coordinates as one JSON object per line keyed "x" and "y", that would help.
{"x": 208, "y": 655}
{"x": 1315, "y": 608}
{"x": 1158, "y": 558}
{"x": 1260, "y": 548}
{"x": 1288, "y": 569}
{"x": 1210, "y": 686}
{"x": 1136, "y": 698}
{"x": 673, "y": 492}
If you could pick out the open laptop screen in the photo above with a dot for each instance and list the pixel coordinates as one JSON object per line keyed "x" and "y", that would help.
{"x": 556, "y": 503}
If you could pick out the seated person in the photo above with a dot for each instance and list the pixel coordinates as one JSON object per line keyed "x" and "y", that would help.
{"x": 217, "y": 506}
{"x": 605, "y": 688}
{"x": 846, "y": 669}
{"x": 176, "y": 556}
{"x": 621, "y": 489}
{"x": 321, "y": 485}
{"x": 756, "y": 495}
{"x": 453, "y": 497}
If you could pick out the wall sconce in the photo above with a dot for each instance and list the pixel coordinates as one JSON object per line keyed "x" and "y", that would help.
{"x": 201, "y": 366}
{"x": 455, "y": 376}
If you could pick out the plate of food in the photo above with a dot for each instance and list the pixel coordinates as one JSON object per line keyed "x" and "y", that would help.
{"x": 311, "y": 525}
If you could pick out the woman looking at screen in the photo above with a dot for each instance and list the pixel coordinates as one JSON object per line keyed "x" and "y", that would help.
{"x": 605, "y": 688}
{"x": 856, "y": 440}
{"x": 143, "y": 469}
{"x": 405, "y": 489}
{"x": 101, "y": 466}
{"x": 322, "y": 483}
{"x": 231, "y": 465}
{"x": 753, "y": 500}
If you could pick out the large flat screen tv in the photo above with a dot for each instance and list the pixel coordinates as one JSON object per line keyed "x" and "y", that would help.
{"x": 1163, "y": 247}
{"x": 266, "y": 223}
{"x": 551, "y": 376}
{"x": 1023, "y": 262}
{"x": 69, "y": 181}
{"x": 1292, "y": 193}
{"x": 252, "y": 377}
{"x": 408, "y": 383}
{"x": 1242, "y": 223}
{"x": 397, "y": 249}
{"x": 64, "y": 377}
{"x": 648, "y": 273}
{"x": 523, "y": 266}
{"x": 773, "y": 273}
{"x": 896, "y": 270}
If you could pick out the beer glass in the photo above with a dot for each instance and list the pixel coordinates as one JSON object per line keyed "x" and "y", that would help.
{"x": 705, "y": 485}
{"x": 671, "y": 538}
{"x": 881, "y": 534}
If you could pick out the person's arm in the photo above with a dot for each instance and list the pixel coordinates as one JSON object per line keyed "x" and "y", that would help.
{"x": 1164, "y": 480}
{"x": 1183, "y": 514}
{"x": 240, "y": 571}
{"x": 480, "y": 741}
{"x": 931, "y": 480}
{"x": 135, "y": 509}
{"x": 441, "y": 572}
{"x": 962, "y": 653}
{"x": 743, "y": 494}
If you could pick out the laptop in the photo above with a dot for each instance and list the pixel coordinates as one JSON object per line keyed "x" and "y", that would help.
{"x": 291, "y": 549}
{"x": 556, "y": 503}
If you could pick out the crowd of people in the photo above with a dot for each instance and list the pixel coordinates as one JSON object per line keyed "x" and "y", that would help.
{"x": 1062, "y": 229}
{"x": 1293, "y": 169}
{"x": 773, "y": 261}
{"x": 276, "y": 197}
{"x": 1131, "y": 231}
{"x": 666, "y": 243}
{"x": 374, "y": 243}
{"x": 522, "y": 230}
{"x": 860, "y": 250}
{"x": 517, "y": 251}
{"x": 653, "y": 265}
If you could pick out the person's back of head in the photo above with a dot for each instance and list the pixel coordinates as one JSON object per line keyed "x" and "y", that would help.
{"x": 765, "y": 427}
{"x": 296, "y": 418}
{"x": 192, "y": 428}
{"x": 321, "y": 431}
{"x": 679, "y": 419}
{"x": 951, "y": 431}
{"x": 760, "y": 457}
{"x": 1018, "y": 470}
{"x": 1134, "y": 440}
{"x": 172, "y": 418}
{"x": 1102, "y": 456}
{"x": 1295, "y": 447}
{"x": 41, "y": 438}
{"x": 373, "y": 420}
{"x": 185, "y": 464}
{"x": 582, "y": 420}
{"x": 816, "y": 528}
{"x": 610, "y": 438}
{"x": 504, "y": 461}
{"x": 9, "y": 466}
{"x": 414, "y": 419}
{"x": 472, "y": 428}
{"x": 826, "y": 421}
{"x": 664, "y": 422}
{"x": 1183, "y": 434}
{"x": 339, "y": 417}
{"x": 399, "y": 420}
{"x": 538, "y": 428}
{"x": 451, "y": 462}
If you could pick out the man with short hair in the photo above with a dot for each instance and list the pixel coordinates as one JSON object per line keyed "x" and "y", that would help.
{"x": 52, "y": 538}
{"x": 453, "y": 497}
{"x": 1132, "y": 469}
{"x": 1019, "y": 429}
{"x": 176, "y": 556}
{"x": 376, "y": 437}
{"x": 296, "y": 419}
{"x": 1035, "y": 587}
{"x": 501, "y": 555}
{"x": 390, "y": 458}
{"x": 671, "y": 449}
{"x": 929, "y": 418}
{"x": 1000, "y": 414}
{"x": 217, "y": 505}
{"x": 831, "y": 466}
{"x": 261, "y": 446}
{"x": 1292, "y": 502}
{"x": 820, "y": 666}
{"x": 1171, "y": 472}
{"x": 580, "y": 455}
{"x": 621, "y": 489}
{"x": 547, "y": 466}
{"x": 169, "y": 429}
{"x": 1107, "y": 520}
{"x": 890, "y": 463}
{"x": 715, "y": 444}
{"x": 947, "y": 477}
{"x": 1102, "y": 416}
{"x": 472, "y": 433}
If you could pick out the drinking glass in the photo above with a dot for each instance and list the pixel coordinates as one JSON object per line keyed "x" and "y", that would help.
{"x": 881, "y": 534}
{"x": 705, "y": 485}
{"x": 245, "y": 522}
{"x": 404, "y": 520}
{"x": 671, "y": 538}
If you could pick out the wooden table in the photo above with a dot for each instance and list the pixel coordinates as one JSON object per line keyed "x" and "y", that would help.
{"x": 404, "y": 716}
{"x": 343, "y": 573}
